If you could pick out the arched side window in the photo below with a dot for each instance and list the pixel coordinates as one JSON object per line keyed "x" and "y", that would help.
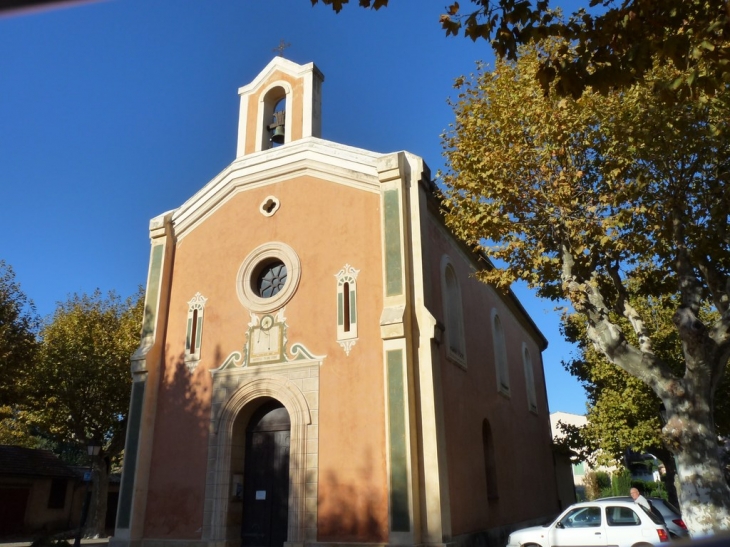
{"x": 194, "y": 335}
{"x": 529, "y": 379}
{"x": 347, "y": 307}
{"x": 500, "y": 354}
{"x": 453, "y": 313}
{"x": 490, "y": 461}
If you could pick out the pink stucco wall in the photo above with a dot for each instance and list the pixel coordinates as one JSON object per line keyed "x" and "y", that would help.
{"x": 328, "y": 225}
{"x": 526, "y": 482}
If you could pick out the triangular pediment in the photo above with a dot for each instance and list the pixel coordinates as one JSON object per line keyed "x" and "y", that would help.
{"x": 337, "y": 163}
{"x": 279, "y": 64}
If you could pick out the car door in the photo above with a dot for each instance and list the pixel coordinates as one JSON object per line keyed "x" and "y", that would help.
{"x": 624, "y": 526}
{"x": 582, "y": 526}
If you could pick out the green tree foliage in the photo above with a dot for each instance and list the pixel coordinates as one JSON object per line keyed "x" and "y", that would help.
{"x": 82, "y": 383}
{"x": 620, "y": 484}
{"x": 596, "y": 200}
{"x": 623, "y": 412}
{"x": 596, "y": 483}
{"x": 617, "y": 40}
{"x": 19, "y": 326}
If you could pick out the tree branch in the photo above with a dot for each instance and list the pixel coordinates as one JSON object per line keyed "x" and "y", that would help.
{"x": 690, "y": 289}
{"x": 718, "y": 283}
{"x": 629, "y": 312}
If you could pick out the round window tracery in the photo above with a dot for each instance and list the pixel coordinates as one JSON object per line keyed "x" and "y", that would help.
{"x": 268, "y": 277}
{"x": 271, "y": 279}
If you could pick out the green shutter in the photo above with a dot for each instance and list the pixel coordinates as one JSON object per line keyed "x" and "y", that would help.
{"x": 393, "y": 262}
{"x": 189, "y": 334}
{"x": 400, "y": 520}
{"x": 199, "y": 334}
{"x": 130, "y": 455}
{"x": 153, "y": 291}
{"x": 340, "y": 308}
{"x": 353, "y": 307}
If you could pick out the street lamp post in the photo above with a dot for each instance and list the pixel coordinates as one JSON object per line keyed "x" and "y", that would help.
{"x": 93, "y": 451}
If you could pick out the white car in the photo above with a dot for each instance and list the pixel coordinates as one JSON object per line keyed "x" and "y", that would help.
{"x": 672, "y": 517}
{"x": 600, "y": 522}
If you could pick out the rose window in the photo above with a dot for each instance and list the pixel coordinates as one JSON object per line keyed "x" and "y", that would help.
{"x": 271, "y": 279}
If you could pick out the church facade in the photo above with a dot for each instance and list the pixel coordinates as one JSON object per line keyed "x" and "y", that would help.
{"x": 318, "y": 364}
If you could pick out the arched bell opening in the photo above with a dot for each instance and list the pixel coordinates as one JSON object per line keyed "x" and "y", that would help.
{"x": 277, "y": 127}
{"x": 301, "y": 88}
{"x": 275, "y": 131}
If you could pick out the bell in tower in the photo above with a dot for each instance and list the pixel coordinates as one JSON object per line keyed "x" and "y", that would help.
{"x": 277, "y": 127}
{"x": 281, "y": 105}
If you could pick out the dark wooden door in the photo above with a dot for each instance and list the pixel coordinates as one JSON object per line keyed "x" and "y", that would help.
{"x": 266, "y": 478}
{"x": 13, "y": 502}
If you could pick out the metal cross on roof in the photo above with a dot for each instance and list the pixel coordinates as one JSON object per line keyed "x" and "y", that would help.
{"x": 281, "y": 47}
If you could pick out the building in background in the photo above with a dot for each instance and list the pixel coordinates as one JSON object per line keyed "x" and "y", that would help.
{"x": 38, "y": 492}
{"x": 42, "y": 495}
{"x": 319, "y": 364}
{"x": 577, "y": 470}
{"x": 641, "y": 466}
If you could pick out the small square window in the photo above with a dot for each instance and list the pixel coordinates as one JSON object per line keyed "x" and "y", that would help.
{"x": 57, "y": 496}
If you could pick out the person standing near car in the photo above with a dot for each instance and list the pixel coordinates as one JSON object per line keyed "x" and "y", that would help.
{"x": 640, "y": 500}
{"x": 645, "y": 504}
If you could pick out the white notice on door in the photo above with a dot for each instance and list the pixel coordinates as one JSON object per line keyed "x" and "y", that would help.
{"x": 260, "y": 494}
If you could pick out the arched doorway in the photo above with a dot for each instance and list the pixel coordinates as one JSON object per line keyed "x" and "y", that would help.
{"x": 241, "y": 391}
{"x": 266, "y": 477}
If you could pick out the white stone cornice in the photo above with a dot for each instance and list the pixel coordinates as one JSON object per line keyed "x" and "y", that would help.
{"x": 160, "y": 224}
{"x": 337, "y": 163}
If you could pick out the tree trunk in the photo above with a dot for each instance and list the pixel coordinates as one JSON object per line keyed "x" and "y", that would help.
{"x": 704, "y": 495}
{"x": 670, "y": 470}
{"x": 96, "y": 522}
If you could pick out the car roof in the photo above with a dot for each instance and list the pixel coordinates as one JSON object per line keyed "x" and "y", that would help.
{"x": 629, "y": 498}
{"x": 605, "y": 501}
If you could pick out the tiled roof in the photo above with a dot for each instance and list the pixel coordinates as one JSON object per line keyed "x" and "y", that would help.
{"x": 16, "y": 460}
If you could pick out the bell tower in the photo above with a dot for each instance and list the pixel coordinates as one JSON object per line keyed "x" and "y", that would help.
{"x": 281, "y": 105}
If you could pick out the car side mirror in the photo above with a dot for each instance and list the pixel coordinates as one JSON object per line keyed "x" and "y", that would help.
{"x": 559, "y": 525}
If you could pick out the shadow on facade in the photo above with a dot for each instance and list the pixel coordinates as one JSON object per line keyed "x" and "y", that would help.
{"x": 350, "y": 512}
{"x": 185, "y": 393}
{"x": 183, "y": 412}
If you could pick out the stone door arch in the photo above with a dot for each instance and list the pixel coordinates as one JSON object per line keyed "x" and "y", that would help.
{"x": 236, "y": 395}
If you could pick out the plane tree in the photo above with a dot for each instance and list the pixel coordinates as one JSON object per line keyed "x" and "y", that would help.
{"x": 81, "y": 383}
{"x": 623, "y": 412}
{"x": 596, "y": 200}
{"x": 617, "y": 41}
{"x": 19, "y": 326}
{"x": 64, "y": 380}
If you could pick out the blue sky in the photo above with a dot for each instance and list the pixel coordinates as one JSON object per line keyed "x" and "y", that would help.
{"x": 115, "y": 111}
